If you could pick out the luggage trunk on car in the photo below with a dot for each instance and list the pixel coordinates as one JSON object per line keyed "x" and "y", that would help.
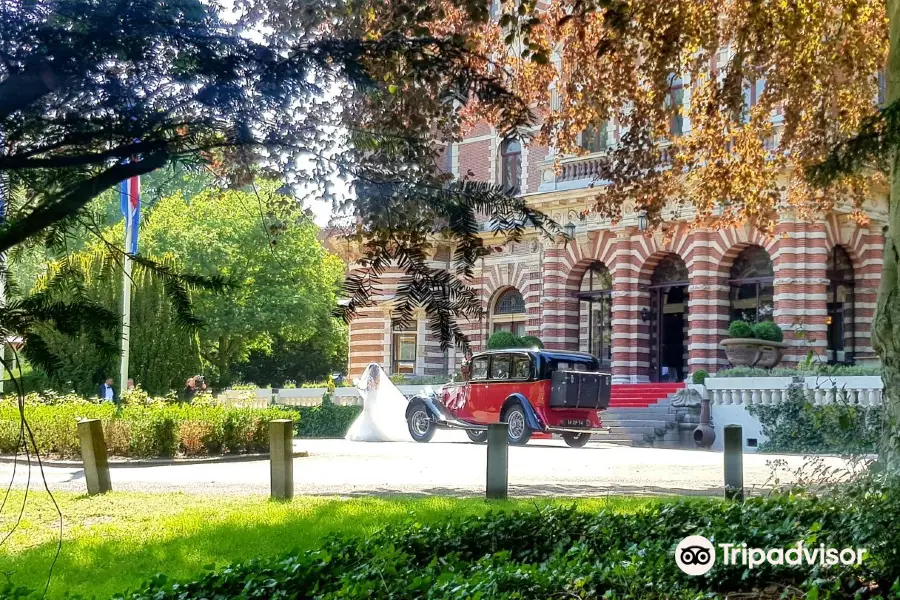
{"x": 580, "y": 389}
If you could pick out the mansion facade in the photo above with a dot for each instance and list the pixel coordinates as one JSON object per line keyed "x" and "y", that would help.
{"x": 652, "y": 306}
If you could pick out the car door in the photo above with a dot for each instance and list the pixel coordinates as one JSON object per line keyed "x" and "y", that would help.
{"x": 497, "y": 390}
{"x": 478, "y": 388}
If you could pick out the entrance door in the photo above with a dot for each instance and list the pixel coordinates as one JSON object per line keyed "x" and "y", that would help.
{"x": 668, "y": 333}
{"x": 668, "y": 320}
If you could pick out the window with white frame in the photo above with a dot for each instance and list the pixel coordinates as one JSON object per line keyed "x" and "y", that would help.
{"x": 404, "y": 346}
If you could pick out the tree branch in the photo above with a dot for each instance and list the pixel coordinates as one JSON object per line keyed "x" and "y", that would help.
{"x": 19, "y": 230}
{"x": 16, "y": 162}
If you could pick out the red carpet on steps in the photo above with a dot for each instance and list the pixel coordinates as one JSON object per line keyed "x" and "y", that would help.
{"x": 641, "y": 395}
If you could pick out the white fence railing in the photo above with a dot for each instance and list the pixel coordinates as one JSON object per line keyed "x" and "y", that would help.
{"x": 820, "y": 390}
{"x": 344, "y": 396}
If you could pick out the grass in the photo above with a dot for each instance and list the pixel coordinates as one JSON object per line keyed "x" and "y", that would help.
{"x": 115, "y": 542}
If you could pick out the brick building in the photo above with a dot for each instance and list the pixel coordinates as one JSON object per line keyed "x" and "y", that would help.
{"x": 651, "y": 306}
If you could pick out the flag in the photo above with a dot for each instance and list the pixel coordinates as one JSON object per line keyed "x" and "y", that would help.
{"x": 130, "y": 194}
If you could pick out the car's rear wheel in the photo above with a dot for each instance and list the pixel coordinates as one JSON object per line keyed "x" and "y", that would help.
{"x": 576, "y": 440}
{"x": 519, "y": 431}
{"x": 420, "y": 424}
{"x": 479, "y": 437}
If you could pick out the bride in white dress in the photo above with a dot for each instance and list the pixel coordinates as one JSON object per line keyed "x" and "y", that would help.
{"x": 383, "y": 418}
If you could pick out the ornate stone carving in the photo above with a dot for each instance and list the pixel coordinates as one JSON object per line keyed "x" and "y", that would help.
{"x": 686, "y": 397}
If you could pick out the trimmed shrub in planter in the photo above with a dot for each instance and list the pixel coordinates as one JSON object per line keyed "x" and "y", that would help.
{"x": 740, "y": 329}
{"x": 769, "y": 331}
{"x": 502, "y": 339}
{"x": 743, "y": 349}
{"x": 531, "y": 341}
{"x": 699, "y": 377}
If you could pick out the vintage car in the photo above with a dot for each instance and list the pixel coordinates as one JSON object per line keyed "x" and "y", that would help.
{"x": 531, "y": 390}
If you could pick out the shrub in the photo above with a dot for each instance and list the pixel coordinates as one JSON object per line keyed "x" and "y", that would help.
{"x": 796, "y": 425}
{"x": 769, "y": 331}
{"x": 816, "y": 370}
{"x": 503, "y": 339}
{"x": 531, "y": 341}
{"x": 328, "y": 420}
{"x": 147, "y": 429}
{"x": 699, "y": 376}
{"x": 563, "y": 553}
{"x": 740, "y": 329}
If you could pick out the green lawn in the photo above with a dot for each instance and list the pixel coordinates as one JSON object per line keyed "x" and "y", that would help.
{"x": 116, "y": 541}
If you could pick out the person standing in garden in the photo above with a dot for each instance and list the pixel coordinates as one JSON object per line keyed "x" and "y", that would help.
{"x": 108, "y": 392}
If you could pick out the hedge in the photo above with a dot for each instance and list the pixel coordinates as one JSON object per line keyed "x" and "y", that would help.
{"x": 796, "y": 425}
{"x": 564, "y": 553}
{"x": 328, "y": 420}
{"x": 155, "y": 428}
{"x": 813, "y": 371}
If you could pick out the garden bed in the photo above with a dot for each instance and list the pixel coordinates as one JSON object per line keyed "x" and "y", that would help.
{"x": 150, "y": 429}
{"x": 470, "y": 550}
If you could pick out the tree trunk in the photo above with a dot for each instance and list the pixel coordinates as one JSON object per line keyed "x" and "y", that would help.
{"x": 886, "y": 325}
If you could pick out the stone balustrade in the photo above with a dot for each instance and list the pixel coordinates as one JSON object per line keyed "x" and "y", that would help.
{"x": 343, "y": 396}
{"x": 820, "y": 390}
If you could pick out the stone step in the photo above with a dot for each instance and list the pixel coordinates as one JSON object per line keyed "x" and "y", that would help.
{"x": 653, "y": 415}
{"x": 637, "y": 422}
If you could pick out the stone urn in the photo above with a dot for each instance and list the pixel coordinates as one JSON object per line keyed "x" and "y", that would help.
{"x": 751, "y": 352}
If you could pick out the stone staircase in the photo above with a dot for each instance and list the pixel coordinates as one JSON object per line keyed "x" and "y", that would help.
{"x": 642, "y": 415}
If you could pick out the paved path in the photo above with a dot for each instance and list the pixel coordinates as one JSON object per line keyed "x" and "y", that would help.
{"x": 449, "y": 465}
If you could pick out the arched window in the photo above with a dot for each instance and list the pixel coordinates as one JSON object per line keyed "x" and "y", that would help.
{"x": 751, "y": 283}
{"x": 511, "y": 165}
{"x": 595, "y": 313}
{"x": 509, "y": 312}
{"x": 840, "y": 319}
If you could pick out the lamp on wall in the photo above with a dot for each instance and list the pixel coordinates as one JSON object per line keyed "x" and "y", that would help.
{"x": 642, "y": 221}
{"x": 570, "y": 230}
{"x": 645, "y": 314}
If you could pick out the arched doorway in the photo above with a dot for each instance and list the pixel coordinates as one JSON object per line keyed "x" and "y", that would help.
{"x": 751, "y": 285}
{"x": 668, "y": 316}
{"x": 840, "y": 319}
{"x": 508, "y": 313}
{"x": 595, "y": 313}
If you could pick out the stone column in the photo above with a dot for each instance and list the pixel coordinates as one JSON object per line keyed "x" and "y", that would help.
{"x": 801, "y": 287}
{"x": 708, "y": 305}
{"x": 553, "y": 332}
{"x": 630, "y": 352}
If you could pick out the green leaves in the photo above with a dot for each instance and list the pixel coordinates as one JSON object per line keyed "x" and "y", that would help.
{"x": 564, "y": 552}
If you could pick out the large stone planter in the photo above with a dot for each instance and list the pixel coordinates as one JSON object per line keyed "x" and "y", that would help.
{"x": 751, "y": 352}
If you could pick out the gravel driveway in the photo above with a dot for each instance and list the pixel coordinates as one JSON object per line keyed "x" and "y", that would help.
{"x": 449, "y": 465}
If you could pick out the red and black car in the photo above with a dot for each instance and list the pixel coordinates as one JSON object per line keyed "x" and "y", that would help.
{"x": 531, "y": 390}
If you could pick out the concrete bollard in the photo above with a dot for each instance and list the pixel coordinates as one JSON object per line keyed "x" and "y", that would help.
{"x": 497, "y": 461}
{"x": 281, "y": 458}
{"x": 93, "y": 455}
{"x": 734, "y": 462}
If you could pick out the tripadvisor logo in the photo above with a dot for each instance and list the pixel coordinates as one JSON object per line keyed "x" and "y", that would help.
{"x": 695, "y": 555}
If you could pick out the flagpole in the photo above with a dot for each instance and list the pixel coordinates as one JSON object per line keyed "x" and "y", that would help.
{"x": 126, "y": 289}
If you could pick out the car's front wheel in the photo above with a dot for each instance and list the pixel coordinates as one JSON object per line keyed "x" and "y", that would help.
{"x": 576, "y": 440}
{"x": 519, "y": 431}
{"x": 479, "y": 437}
{"x": 420, "y": 424}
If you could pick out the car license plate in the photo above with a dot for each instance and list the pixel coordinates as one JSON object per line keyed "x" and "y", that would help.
{"x": 576, "y": 423}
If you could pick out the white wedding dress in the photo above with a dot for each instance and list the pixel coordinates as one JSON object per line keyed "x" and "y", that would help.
{"x": 383, "y": 418}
